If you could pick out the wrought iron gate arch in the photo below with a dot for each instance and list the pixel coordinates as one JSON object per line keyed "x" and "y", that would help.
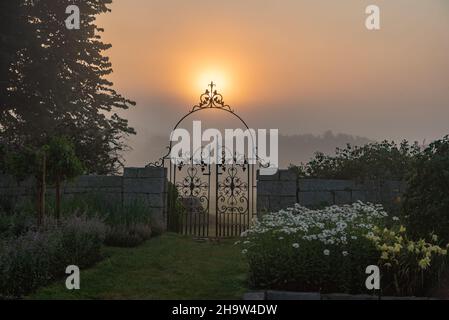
{"x": 193, "y": 208}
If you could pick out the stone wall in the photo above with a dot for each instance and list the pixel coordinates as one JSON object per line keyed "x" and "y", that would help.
{"x": 285, "y": 189}
{"x": 145, "y": 186}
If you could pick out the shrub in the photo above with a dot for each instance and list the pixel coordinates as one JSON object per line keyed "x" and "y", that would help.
{"x": 328, "y": 250}
{"x": 313, "y": 250}
{"x": 426, "y": 202}
{"x": 14, "y": 225}
{"x": 81, "y": 240}
{"x": 112, "y": 212}
{"x": 42, "y": 255}
{"x": 374, "y": 161}
{"x": 127, "y": 236}
{"x": 408, "y": 267}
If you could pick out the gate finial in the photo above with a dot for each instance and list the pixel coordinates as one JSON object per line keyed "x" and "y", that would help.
{"x": 212, "y": 85}
{"x": 211, "y": 99}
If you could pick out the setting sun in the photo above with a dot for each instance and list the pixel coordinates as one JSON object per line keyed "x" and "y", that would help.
{"x": 220, "y": 78}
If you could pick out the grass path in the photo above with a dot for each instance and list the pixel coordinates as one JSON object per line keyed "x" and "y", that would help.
{"x": 167, "y": 267}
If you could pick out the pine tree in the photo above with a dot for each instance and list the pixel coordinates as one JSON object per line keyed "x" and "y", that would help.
{"x": 12, "y": 39}
{"x": 60, "y": 87}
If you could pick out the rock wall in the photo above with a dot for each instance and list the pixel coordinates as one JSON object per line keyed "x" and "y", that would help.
{"x": 285, "y": 189}
{"x": 146, "y": 186}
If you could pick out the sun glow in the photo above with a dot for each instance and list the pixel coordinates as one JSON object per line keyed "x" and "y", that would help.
{"x": 221, "y": 80}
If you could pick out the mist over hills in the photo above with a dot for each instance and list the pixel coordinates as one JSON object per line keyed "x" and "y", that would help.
{"x": 293, "y": 149}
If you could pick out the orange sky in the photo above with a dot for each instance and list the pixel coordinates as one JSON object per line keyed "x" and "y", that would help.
{"x": 303, "y": 66}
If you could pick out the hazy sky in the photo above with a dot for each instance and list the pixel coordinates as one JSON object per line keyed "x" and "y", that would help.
{"x": 303, "y": 66}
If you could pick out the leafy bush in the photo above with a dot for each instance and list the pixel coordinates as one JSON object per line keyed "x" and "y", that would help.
{"x": 128, "y": 226}
{"x": 426, "y": 202}
{"x": 373, "y": 161}
{"x": 127, "y": 236}
{"x": 112, "y": 212}
{"x": 41, "y": 255}
{"x": 324, "y": 250}
{"x": 408, "y": 267}
{"x": 16, "y": 224}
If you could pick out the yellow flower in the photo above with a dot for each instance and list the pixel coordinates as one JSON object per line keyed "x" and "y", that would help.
{"x": 397, "y": 248}
{"x": 424, "y": 263}
{"x": 435, "y": 237}
{"x": 384, "y": 256}
{"x": 402, "y": 229}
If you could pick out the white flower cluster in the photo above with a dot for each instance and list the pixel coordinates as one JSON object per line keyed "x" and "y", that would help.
{"x": 335, "y": 225}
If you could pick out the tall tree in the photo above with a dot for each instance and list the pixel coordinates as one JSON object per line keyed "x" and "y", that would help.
{"x": 13, "y": 37}
{"x": 60, "y": 86}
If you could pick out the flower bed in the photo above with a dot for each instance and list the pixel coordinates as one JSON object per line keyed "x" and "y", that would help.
{"x": 328, "y": 250}
{"x": 41, "y": 255}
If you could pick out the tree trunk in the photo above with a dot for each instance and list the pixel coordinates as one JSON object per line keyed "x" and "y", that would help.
{"x": 58, "y": 198}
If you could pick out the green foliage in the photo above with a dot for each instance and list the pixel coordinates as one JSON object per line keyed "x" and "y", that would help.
{"x": 374, "y": 161}
{"x": 39, "y": 256}
{"x": 175, "y": 209}
{"x": 53, "y": 82}
{"x": 409, "y": 268}
{"x": 57, "y": 158}
{"x": 426, "y": 202}
{"x": 62, "y": 162}
{"x": 325, "y": 250}
{"x": 16, "y": 224}
{"x": 112, "y": 212}
{"x": 328, "y": 250}
{"x": 127, "y": 235}
{"x": 128, "y": 226}
{"x": 25, "y": 163}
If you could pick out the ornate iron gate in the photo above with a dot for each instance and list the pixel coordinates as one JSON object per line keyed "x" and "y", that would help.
{"x": 210, "y": 200}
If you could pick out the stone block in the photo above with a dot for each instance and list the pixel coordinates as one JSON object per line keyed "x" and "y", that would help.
{"x": 286, "y": 202}
{"x": 131, "y": 172}
{"x": 158, "y": 219}
{"x": 143, "y": 185}
{"x": 274, "y": 177}
{"x": 287, "y": 175}
{"x": 278, "y": 188}
{"x": 263, "y": 203}
{"x": 80, "y": 182}
{"x": 316, "y": 198}
{"x": 325, "y": 185}
{"x": 281, "y": 202}
{"x": 156, "y": 200}
{"x": 358, "y": 195}
{"x": 152, "y": 172}
{"x": 109, "y": 182}
{"x": 342, "y": 197}
{"x": 254, "y": 296}
{"x": 338, "y": 185}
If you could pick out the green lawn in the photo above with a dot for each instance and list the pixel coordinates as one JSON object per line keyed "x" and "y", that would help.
{"x": 167, "y": 267}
